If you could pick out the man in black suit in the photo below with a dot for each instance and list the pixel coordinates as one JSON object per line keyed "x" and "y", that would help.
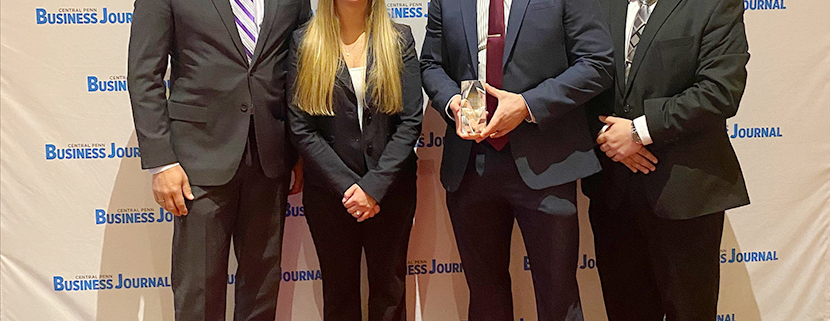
{"x": 220, "y": 141}
{"x": 669, "y": 170}
{"x": 543, "y": 59}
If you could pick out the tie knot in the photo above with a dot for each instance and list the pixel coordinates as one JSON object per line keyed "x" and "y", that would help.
{"x": 647, "y": 2}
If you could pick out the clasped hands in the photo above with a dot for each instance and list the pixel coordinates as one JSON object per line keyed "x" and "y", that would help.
{"x": 360, "y": 205}
{"x": 619, "y": 146}
{"x": 511, "y": 111}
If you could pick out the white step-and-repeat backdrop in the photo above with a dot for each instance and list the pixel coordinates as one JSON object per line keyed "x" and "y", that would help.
{"x": 82, "y": 238}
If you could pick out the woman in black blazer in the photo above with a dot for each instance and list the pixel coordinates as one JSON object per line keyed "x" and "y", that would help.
{"x": 355, "y": 118}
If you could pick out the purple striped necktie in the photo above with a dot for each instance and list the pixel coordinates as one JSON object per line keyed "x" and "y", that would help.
{"x": 243, "y": 10}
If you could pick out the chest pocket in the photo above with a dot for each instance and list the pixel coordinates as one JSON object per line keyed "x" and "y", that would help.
{"x": 678, "y": 54}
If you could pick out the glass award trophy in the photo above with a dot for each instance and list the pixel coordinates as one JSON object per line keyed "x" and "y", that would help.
{"x": 473, "y": 107}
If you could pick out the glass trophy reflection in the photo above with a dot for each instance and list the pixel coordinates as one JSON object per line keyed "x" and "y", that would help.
{"x": 473, "y": 107}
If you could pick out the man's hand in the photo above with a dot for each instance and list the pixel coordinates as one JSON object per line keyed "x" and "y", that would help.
{"x": 642, "y": 161}
{"x": 297, "y": 172}
{"x": 455, "y": 107}
{"x": 168, "y": 188}
{"x": 511, "y": 112}
{"x": 361, "y": 205}
{"x": 616, "y": 142}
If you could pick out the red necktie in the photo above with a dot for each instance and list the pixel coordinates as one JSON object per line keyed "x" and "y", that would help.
{"x": 495, "y": 53}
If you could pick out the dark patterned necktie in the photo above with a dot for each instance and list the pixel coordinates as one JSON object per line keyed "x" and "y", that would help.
{"x": 495, "y": 53}
{"x": 637, "y": 33}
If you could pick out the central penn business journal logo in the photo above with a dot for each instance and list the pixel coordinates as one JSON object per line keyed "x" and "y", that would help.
{"x": 132, "y": 215}
{"x": 294, "y": 210}
{"x": 107, "y": 282}
{"x": 736, "y": 256}
{"x": 111, "y": 83}
{"x": 82, "y": 16}
{"x": 417, "y": 267}
{"x": 90, "y": 151}
{"x": 738, "y": 132}
{"x": 407, "y": 10}
{"x": 429, "y": 140}
{"x": 764, "y": 5}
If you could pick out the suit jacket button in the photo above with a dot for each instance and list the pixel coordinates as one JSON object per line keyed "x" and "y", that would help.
{"x": 244, "y": 107}
{"x": 369, "y": 149}
{"x": 627, "y": 109}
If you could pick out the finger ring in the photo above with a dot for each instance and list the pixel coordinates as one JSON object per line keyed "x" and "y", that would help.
{"x": 358, "y": 213}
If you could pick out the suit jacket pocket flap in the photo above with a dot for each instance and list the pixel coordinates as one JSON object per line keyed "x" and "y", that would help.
{"x": 179, "y": 111}
{"x": 676, "y": 42}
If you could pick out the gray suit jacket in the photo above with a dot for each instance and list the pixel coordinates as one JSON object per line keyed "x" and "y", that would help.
{"x": 214, "y": 90}
{"x": 557, "y": 54}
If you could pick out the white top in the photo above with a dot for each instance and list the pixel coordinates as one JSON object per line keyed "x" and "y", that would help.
{"x": 358, "y": 76}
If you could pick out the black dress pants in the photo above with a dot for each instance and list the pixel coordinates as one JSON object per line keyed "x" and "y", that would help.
{"x": 250, "y": 209}
{"x": 652, "y": 267}
{"x": 340, "y": 240}
{"x": 493, "y": 195}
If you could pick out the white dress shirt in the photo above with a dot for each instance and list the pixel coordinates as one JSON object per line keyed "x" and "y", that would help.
{"x": 259, "y": 13}
{"x": 483, "y": 25}
{"x": 640, "y": 123}
{"x": 358, "y": 75}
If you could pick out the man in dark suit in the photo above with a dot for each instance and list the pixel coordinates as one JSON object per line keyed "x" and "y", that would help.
{"x": 542, "y": 59}
{"x": 220, "y": 141}
{"x": 669, "y": 170}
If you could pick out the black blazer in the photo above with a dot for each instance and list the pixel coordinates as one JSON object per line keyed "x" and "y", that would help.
{"x": 337, "y": 154}
{"x": 557, "y": 54}
{"x": 687, "y": 78}
{"x": 214, "y": 90}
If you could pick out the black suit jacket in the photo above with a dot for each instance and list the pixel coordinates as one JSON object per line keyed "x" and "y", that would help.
{"x": 557, "y": 55}
{"x": 687, "y": 78}
{"x": 214, "y": 90}
{"x": 337, "y": 154}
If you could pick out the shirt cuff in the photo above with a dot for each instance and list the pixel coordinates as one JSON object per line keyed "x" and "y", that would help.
{"x": 529, "y": 118}
{"x": 642, "y": 129}
{"x": 156, "y": 170}
{"x": 447, "y": 108}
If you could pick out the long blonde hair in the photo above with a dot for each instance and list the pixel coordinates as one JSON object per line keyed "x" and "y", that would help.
{"x": 319, "y": 60}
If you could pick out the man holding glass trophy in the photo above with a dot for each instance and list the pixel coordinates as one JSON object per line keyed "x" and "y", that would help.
{"x": 510, "y": 78}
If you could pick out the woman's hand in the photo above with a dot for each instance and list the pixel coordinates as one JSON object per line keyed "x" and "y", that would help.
{"x": 361, "y": 205}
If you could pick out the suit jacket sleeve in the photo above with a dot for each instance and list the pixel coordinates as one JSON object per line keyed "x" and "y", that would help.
{"x": 438, "y": 85}
{"x": 314, "y": 150}
{"x": 590, "y": 52}
{"x": 377, "y": 181}
{"x": 151, "y": 37}
{"x": 720, "y": 79}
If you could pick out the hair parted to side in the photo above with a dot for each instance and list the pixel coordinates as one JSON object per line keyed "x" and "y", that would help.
{"x": 319, "y": 60}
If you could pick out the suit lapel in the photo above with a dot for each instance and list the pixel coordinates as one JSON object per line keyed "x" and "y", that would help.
{"x": 226, "y": 13}
{"x": 661, "y": 12}
{"x": 618, "y": 13}
{"x": 345, "y": 79}
{"x": 514, "y": 23}
{"x": 268, "y": 18}
{"x": 470, "y": 21}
